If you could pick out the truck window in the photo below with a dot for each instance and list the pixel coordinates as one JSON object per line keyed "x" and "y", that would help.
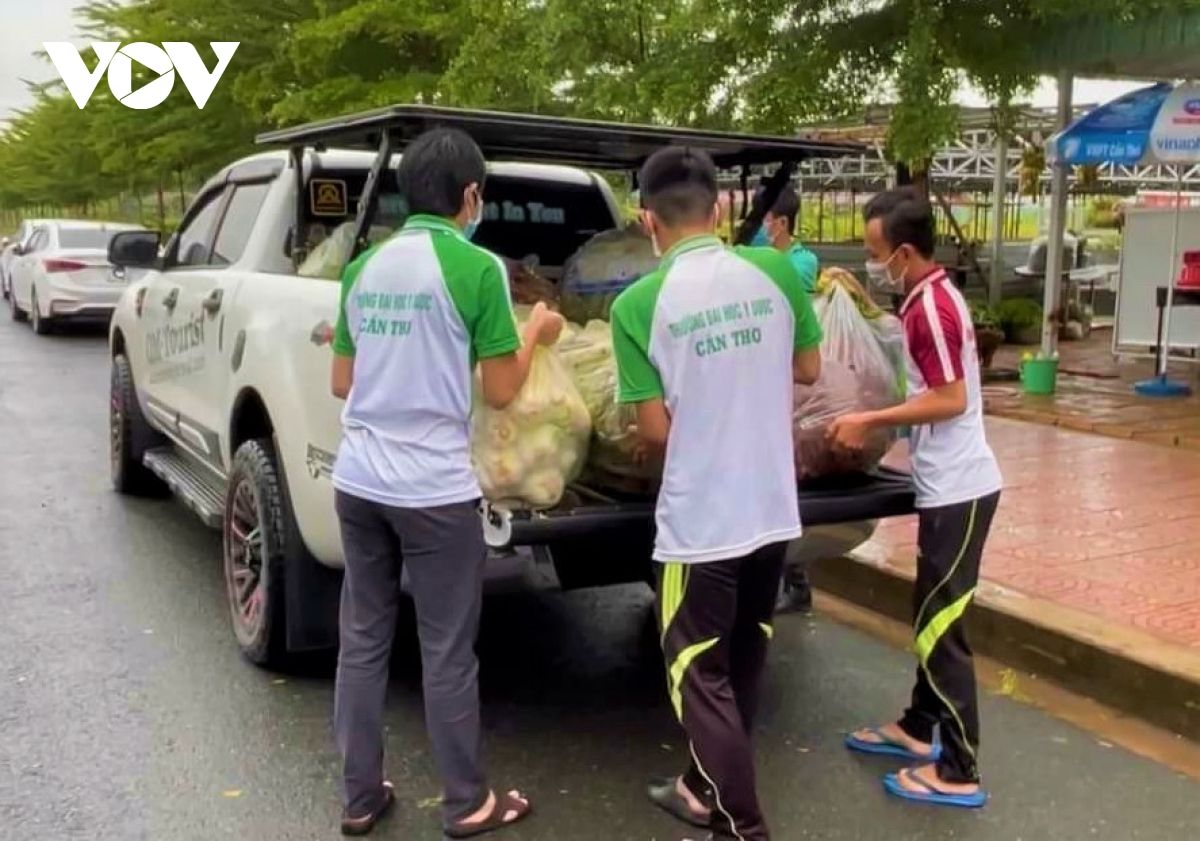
{"x": 193, "y": 244}
{"x": 549, "y": 219}
{"x": 523, "y": 216}
{"x": 238, "y": 222}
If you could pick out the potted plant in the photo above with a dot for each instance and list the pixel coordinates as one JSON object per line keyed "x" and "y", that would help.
{"x": 1021, "y": 320}
{"x": 988, "y": 335}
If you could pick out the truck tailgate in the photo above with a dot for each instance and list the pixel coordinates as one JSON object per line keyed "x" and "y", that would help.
{"x": 883, "y": 492}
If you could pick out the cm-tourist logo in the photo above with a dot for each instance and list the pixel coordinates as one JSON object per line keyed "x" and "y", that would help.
{"x": 117, "y": 61}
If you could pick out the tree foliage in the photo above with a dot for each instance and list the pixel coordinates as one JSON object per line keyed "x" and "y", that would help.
{"x": 746, "y": 64}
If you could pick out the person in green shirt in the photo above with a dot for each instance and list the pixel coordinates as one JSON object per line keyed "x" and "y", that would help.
{"x": 417, "y": 314}
{"x": 778, "y": 232}
{"x": 708, "y": 347}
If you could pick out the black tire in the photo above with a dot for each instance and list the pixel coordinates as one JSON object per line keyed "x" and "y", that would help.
{"x": 130, "y": 436}
{"x": 255, "y": 565}
{"x": 4, "y": 288}
{"x": 41, "y": 325}
{"x": 14, "y": 309}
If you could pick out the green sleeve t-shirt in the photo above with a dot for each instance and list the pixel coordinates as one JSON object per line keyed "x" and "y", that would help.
{"x": 713, "y": 333}
{"x": 417, "y": 312}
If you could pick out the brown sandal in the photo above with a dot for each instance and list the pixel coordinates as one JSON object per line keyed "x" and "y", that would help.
{"x": 356, "y": 827}
{"x": 510, "y": 808}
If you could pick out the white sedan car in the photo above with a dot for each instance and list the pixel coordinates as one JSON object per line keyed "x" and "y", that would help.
{"x": 62, "y": 272}
{"x": 11, "y": 245}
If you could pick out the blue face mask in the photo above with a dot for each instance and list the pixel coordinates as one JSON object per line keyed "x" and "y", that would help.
{"x": 471, "y": 227}
{"x": 760, "y": 239}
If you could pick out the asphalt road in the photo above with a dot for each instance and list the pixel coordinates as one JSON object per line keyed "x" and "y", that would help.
{"x": 126, "y": 712}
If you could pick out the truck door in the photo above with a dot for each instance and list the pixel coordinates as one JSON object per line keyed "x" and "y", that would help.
{"x": 176, "y": 326}
{"x": 205, "y": 300}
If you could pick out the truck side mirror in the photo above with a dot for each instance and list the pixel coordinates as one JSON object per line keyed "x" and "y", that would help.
{"x": 134, "y": 249}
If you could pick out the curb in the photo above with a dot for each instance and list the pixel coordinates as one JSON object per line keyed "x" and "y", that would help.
{"x": 1126, "y": 669}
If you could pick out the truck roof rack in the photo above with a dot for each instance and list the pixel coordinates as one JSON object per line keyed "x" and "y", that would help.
{"x": 559, "y": 140}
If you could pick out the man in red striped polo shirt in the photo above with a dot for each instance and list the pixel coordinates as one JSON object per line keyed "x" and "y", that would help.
{"x": 958, "y": 487}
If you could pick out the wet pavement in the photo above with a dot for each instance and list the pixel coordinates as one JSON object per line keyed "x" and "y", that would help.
{"x": 126, "y": 712}
{"x": 1095, "y": 394}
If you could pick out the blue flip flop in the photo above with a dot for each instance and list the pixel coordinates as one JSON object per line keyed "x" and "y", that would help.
{"x": 886, "y": 747}
{"x": 929, "y": 794}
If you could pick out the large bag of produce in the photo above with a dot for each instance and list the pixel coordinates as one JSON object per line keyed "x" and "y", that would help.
{"x": 330, "y": 257}
{"x": 527, "y": 453}
{"x": 858, "y": 374}
{"x": 602, "y": 267}
{"x": 588, "y": 354}
{"x": 527, "y": 286}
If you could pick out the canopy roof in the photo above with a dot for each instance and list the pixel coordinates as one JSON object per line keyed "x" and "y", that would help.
{"x": 1158, "y": 46}
{"x": 524, "y": 137}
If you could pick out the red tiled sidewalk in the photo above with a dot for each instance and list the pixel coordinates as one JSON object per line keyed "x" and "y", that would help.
{"x": 1106, "y": 526}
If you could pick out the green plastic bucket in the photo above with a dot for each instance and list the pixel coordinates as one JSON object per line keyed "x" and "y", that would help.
{"x": 1038, "y": 376}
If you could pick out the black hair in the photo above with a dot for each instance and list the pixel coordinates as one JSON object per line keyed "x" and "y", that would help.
{"x": 787, "y": 206}
{"x": 907, "y": 218}
{"x": 679, "y": 184}
{"x": 436, "y": 168}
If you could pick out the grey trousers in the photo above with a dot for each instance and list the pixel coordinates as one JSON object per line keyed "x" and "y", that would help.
{"x": 443, "y": 551}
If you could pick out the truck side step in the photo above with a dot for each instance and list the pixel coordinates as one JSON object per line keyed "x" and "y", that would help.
{"x": 193, "y": 485}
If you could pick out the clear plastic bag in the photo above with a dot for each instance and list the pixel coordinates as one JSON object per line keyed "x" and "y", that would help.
{"x": 527, "y": 453}
{"x": 600, "y": 270}
{"x": 858, "y": 373}
{"x": 328, "y": 260}
{"x": 588, "y": 354}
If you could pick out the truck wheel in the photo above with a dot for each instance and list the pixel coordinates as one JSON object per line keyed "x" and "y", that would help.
{"x": 129, "y": 436}
{"x": 255, "y": 551}
{"x": 14, "y": 309}
{"x": 41, "y": 325}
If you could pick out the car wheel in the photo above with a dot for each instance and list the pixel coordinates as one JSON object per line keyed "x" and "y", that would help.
{"x": 41, "y": 325}
{"x": 130, "y": 436}
{"x": 256, "y": 536}
{"x": 14, "y": 308}
{"x": 4, "y": 288}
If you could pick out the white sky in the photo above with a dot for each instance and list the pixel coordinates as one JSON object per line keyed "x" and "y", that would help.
{"x": 51, "y": 20}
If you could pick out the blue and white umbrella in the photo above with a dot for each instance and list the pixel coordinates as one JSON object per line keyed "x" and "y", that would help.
{"x": 1155, "y": 125}
{"x": 1158, "y": 124}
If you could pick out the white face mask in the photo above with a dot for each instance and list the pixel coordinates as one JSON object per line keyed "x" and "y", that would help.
{"x": 880, "y": 274}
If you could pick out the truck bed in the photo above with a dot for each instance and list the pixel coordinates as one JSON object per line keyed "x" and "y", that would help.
{"x": 883, "y": 492}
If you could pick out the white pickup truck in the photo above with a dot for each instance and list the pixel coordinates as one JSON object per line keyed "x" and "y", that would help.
{"x": 220, "y": 352}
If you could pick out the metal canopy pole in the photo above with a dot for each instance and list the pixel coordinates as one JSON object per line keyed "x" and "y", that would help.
{"x": 764, "y": 200}
{"x": 298, "y": 249}
{"x": 1058, "y": 224}
{"x": 370, "y": 195}
{"x": 999, "y": 191}
{"x": 1164, "y": 341}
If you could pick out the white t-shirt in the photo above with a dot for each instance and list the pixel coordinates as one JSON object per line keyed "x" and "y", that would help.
{"x": 417, "y": 312}
{"x": 951, "y": 460}
{"x": 713, "y": 332}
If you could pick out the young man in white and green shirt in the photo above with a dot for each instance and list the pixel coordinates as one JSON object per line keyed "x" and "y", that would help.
{"x": 417, "y": 313}
{"x": 708, "y": 348}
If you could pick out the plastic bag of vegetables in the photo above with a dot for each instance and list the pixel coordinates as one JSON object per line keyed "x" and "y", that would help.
{"x": 602, "y": 267}
{"x": 588, "y": 354}
{"x": 526, "y": 453}
{"x": 330, "y": 257}
{"x": 527, "y": 286}
{"x": 857, "y": 374}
